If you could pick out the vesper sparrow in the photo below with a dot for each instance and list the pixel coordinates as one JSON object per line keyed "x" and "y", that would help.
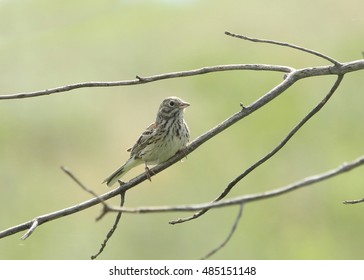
{"x": 160, "y": 141}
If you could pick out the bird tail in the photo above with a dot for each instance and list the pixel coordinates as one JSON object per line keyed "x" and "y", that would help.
{"x": 114, "y": 177}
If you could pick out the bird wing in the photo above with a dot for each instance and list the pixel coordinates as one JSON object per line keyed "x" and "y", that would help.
{"x": 143, "y": 140}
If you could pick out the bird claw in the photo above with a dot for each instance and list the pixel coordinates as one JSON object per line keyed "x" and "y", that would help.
{"x": 149, "y": 173}
{"x": 182, "y": 151}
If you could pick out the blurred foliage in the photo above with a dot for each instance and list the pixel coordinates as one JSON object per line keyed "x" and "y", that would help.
{"x": 46, "y": 44}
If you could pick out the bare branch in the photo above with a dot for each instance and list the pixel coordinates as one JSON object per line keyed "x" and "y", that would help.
{"x": 142, "y": 80}
{"x": 330, "y": 59}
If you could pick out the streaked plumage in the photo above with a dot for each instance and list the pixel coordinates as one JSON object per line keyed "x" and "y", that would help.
{"x": 160, "y": 141}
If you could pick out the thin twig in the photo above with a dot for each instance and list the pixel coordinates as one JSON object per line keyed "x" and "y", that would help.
{"x": 232, "y": 231}
{"x": 80, "y": 184}
{"x": 106, "y": 207}
{"x": 354, "y": 201}
{"x": 105, "y": 210}
{"x": 232, "y": 184}
{"x": 284, "y": 44}
{"x": 113, "y": 229}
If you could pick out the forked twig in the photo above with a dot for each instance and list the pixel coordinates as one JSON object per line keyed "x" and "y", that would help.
{"x": 113, "y": 228}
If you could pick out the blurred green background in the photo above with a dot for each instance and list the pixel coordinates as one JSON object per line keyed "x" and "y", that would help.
{"x": 45, "y": 44}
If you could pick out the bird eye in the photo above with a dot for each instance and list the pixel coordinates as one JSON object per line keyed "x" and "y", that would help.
{"x": 172, "y": 103}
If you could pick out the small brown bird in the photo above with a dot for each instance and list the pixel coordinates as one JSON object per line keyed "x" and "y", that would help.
{"x": 160, "y": 141}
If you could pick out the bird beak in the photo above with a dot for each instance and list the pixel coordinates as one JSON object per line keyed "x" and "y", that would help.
{"x": 184, "y": 105}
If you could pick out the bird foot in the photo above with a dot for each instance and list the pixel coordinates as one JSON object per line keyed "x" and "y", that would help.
{"x": 149, "y": 173}
{"x": 182, "y": 151}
